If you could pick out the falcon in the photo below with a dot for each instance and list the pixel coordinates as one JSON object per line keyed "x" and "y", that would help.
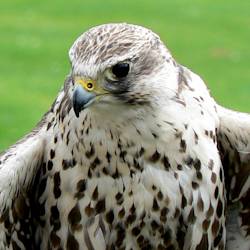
{"x": 134, "y": 153}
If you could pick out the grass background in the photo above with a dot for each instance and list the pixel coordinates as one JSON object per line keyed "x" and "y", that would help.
{"x": 210, "y": 37}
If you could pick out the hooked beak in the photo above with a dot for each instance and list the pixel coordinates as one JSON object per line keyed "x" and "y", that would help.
{"x": 82, "y": 98}
{"x": 85, "y": 93}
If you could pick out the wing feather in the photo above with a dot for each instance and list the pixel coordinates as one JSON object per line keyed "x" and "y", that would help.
{"x": 234, "y": 146}
{"x": 18, "y": 168}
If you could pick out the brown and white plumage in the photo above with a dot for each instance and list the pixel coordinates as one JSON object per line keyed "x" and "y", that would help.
{"x": 142, "y": 161}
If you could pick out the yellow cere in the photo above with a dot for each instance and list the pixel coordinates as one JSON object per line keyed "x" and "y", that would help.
{"x": 87, "y": 84}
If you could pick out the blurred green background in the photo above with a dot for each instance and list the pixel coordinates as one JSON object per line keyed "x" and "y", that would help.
{"x": 210, "y": 37}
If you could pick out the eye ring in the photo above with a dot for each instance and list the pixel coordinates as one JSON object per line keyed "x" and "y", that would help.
{"x": 89, "y": 86}
{"x": 120, "y": 70}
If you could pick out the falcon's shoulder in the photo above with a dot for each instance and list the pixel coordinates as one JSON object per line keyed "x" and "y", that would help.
{"x": 21, "y": 167}
{"x": 18, "y": 168}
{"x": 234, "y": 146}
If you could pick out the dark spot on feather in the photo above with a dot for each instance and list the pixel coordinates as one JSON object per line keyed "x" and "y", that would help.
{"x": 199, "y": 175}
{"x": 213, "y": 177}
{"x": 165, "y": 162}
{"x": 215, "y": 227}
{"x": 105, "y": 171}
{"x": 108, "y": 157}
{"x": 132, "y": 209}
{"x": 167, "y": 238}
{"x": 91, "y": 152}
{"x": 164, "y": 211}
{"x": 155, "y": 205}
{"x": 183, "y": 202}
{"x": 200, "y": 204}
{"x": 74, "y": 216}
{"x": 121, "y": 213}
{"x": 55, "y": 218}
{"x": 196, "y": 138}
{"x": 119, "y": 198}
{"x": 130, "y": 219}
{"x": 42, "y": 186}
{"x": 180, "y": 236}
{"x": 67, "y": 138}
{"x": 179, "y": 167}
{"x": 216, "y": 192}
{"x": 221, "y": 175}
{"x": 203, "y": 243}
{"x": 191, "y": 216}
{"x": 140, "y": 240}
{"x": 136, "y": 231}
{"x": 89, "y": 210}
{"x": 160, "y": 195}
{"x": 155, "y": 157}
{"x": 95, "y": 193}
{"x": 211, "y": 164}
{"x": 50, "y": 165}
{"x": 123, "y": 154}
{"x": 72, "y": 242}
{"x": 197, "y": 164}
{"x": 48, "y": 126}
{"x": 110, "y": 216}
{"x": 52, "y": 154}
{"x": 177, "y": 213}
{"x": 116, "y": 174}
{"x": 189, "y": 161}
{"x": 205, "y": 225}
{"x": 100, "y": 206}
{"x": 81, "y": 185}
{"x": 141, "y": 152}
{"x": 95, "y": 163}
{"x": 183, "y": 146}
{"x": 120, "y": 235}
{"x": 68, "y": 163}
{"x": 154, "y": 135}
{"x": 57, "y": 183}
{"x": 154, "y": 225}
{"x": 218, "y": 237}
{"x": 89, "y": 173}
{"x": 219, "y": 208}
{"x": 87, "y": 131}
{"x": 55, "y": 240}
{"x": 195, "y": 185}
{"x": 210, "y": 211}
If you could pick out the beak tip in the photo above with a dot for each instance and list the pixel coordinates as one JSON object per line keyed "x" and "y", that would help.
{"x": 76, "y": 113}
{"x": 76, "y": 107}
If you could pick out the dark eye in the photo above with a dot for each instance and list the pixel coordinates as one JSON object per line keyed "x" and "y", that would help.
{"x": 120, "y": 70}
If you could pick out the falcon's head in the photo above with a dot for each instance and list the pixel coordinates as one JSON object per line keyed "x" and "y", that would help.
{"x": 120, "y": 64}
